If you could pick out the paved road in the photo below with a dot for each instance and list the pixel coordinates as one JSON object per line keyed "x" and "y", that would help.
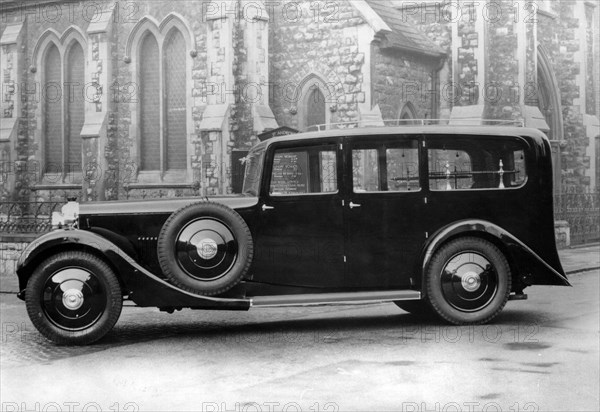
{"x": 540, "y": 354}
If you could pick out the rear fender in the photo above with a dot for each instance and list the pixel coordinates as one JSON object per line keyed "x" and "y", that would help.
{"x": 531, "y": 268}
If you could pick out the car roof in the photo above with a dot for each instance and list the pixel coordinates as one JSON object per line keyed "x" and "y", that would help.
{"x": 534, "y": 135}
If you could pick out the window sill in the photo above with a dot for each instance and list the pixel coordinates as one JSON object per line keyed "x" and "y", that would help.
{"x": 157, "y": 178}
{"x": 547, "y": 13}
{"x": 56, "y": 181}
{"x": 163, "y": 185}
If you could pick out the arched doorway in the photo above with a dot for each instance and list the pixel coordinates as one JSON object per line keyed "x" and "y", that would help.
{"x": 548, "y": 101}
{"x": 313, "y": 103}
{"x": 407, "y": 113}
{"x": 316, "y": 110}
{"x": 548, "y": 96}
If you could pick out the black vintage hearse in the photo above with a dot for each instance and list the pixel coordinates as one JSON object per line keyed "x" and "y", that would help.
{"x": 452, "y": 221}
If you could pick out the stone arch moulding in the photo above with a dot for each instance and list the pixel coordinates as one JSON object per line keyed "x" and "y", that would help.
{"x": 73, "y": 33}
{"x": 42, "y": 45}
{"x": 176, "y": 20}
{"x": 62, "y": 42}
{"x": 160, "y": 31}
{"x": 546, "y": 71}
{"x": 146, "y": 24}
{"x": 320, "y": 70}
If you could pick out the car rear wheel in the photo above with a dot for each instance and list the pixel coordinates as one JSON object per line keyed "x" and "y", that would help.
{"x": 73, "y": 298}
{"x": 468, "y": 281}
{"x": 205, "y": 248}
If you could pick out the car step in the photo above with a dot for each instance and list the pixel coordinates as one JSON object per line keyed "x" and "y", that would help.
{"x": 518, "y": 296}
{"x": 348, "y": 298}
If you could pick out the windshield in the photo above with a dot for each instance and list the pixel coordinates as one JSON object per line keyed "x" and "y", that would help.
{"x": 254, "y": 163}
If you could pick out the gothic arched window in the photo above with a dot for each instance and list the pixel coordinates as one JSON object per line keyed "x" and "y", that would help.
{"x": 63, "y": 108}
{"x": 163, "y": 102}
{"x": 53, "y": 144}
{"x": 75, "y": 106}
{"x": 175, "y": 101}
{"x": 150, "y": 153}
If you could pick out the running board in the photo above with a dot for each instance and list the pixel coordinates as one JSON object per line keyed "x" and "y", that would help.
{"x": 344, "y": 298}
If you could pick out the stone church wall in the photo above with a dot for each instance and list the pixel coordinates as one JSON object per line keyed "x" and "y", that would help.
{"x": 399, "y": 79}
{"x": 319, "y": 43}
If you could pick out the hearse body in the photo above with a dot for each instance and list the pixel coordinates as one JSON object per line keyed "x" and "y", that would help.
{"x": 452, "y": 221}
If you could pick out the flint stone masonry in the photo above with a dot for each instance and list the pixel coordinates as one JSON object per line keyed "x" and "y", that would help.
{"x": 399, "y": 80}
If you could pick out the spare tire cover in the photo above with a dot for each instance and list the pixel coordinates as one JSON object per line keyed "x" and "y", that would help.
{"x": 205, "y": 248}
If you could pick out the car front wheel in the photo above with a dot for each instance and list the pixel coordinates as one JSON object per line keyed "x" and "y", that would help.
{"x": 73, "y": 298}
{"x": 468, "y": 281}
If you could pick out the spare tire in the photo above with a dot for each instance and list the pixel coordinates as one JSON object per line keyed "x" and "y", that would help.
{"x": 205, "y": 248}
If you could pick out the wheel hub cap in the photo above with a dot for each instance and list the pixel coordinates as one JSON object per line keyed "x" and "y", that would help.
{"x": 471, "y": 281}
{"x": 72, "y": 299}
{"x": 207, "y": 248}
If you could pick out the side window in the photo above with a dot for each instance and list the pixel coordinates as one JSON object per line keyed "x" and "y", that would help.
{"x": 387, "y": 167}
{"x": 403, "y": 168}
{"x": 450, "y": 169}
{"x": 477, "y": 163}
{"x": 303, "y": 171}
{"x": 365, "y": 170}
{"x": 519, "y": 176}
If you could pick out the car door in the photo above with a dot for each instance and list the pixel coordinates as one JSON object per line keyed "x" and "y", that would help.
{"x": 300, "y": 238}
{"x": 384, "y": 211}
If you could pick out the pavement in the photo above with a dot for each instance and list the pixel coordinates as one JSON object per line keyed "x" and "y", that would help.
{"x": 580, "y": 259}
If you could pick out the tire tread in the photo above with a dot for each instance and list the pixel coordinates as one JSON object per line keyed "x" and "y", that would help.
{"x": 163, "y": 259}
{"x": 63, "y": 337}
{"x": 439, "y": 258}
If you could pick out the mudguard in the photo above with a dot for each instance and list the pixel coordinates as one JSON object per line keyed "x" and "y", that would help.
{"x": 143, "y": 287}
{"x": 523, "y": 258}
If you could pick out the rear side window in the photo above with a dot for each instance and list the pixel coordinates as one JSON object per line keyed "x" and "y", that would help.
{"x": 450, "y": 170}
{"x": 476, "y": 163}
{"x": 301, "y": 171}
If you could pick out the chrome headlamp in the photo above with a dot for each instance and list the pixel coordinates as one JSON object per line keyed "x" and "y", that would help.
{"x": 67, "y": 217}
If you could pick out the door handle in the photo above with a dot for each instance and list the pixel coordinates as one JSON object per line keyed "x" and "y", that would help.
{"x": 353, "y": 205}
{"x": 265, "y": 207}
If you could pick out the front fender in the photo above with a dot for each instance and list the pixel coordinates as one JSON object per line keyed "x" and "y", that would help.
{"x": 145, "y": 288}
{"x": 58, "y": 240}
{"x": 546, "y": 271}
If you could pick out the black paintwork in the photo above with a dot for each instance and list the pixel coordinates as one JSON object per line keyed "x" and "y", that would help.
{"x": 316, "y": 243}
